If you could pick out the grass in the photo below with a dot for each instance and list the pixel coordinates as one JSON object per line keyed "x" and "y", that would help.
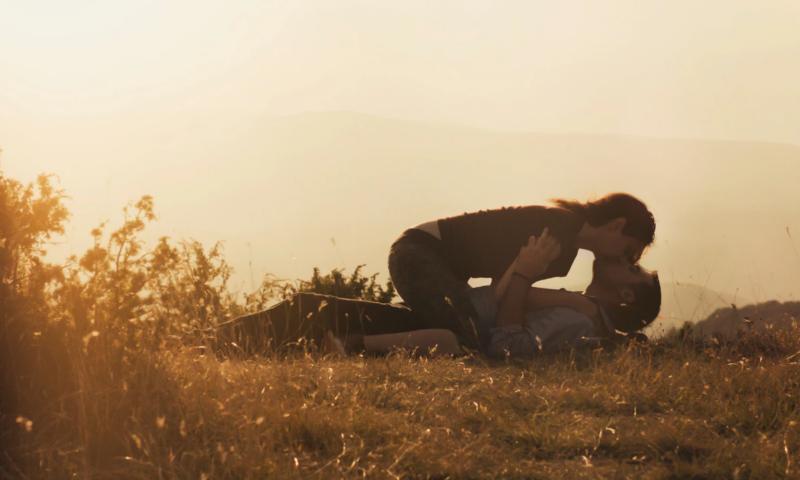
{"x": 673, "y": 409}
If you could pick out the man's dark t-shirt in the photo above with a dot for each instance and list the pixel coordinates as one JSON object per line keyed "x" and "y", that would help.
{"x": 483, "y": 244}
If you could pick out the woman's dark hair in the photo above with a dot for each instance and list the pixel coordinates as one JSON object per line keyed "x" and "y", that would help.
{"x": 639, "y": 224}
{"x": 632, "y": 317}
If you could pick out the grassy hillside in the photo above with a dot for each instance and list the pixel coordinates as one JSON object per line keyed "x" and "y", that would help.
{"x": 669, "y": 410}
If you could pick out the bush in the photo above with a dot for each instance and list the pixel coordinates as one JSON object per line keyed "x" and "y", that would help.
{"x": 356, "y": 286}
{"x": 82, "y": 341}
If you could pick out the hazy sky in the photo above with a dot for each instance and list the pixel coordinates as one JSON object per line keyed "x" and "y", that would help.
{"x": 711, "y": 69}
{"x": 125, "y": 98}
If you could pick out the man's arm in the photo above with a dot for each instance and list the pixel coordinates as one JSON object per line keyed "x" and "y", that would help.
{"x": 511, "y": 309}
{"x": 536, "y": 297}
{"x": 531, "y": 263}
{"x": 502, "y": 285}
{"x": 545, "y": 297}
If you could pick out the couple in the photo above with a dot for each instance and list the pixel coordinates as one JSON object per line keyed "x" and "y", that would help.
{"x": 516, "y": 247}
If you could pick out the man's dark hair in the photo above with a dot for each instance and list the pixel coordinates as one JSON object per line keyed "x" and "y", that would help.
{"x": 639, "y": 224}
{"x": 632, "y": 317}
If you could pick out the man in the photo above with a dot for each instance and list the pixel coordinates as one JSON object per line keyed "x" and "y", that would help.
{"x": 430, "y": 264}
{"x": 623, "y": 298}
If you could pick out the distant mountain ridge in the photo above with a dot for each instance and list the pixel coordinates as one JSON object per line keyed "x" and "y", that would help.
{"x": 687, "y": 302}
{"x": 727, "y": 322}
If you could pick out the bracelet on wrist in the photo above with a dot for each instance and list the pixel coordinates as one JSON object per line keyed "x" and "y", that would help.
{"x": 522, "y": 275}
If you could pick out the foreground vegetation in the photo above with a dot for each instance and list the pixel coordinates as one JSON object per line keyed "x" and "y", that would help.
{"x": 105, "y": 375}
{"x": 658, "y": 411}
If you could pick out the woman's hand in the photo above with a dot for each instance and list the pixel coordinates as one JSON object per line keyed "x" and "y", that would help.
{"x": 535, "y": 257}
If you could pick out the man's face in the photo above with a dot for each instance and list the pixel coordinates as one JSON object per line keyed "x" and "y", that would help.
{"x": 614, "y": 279}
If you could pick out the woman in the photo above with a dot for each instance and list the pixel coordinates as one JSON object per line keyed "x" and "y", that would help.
{"x": 430, "y": 264}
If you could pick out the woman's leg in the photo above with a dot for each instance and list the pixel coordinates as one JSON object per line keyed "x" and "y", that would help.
{"x": 429, "y": 287}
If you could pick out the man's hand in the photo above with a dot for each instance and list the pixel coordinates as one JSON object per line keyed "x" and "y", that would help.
{"x": 534, "y": 258}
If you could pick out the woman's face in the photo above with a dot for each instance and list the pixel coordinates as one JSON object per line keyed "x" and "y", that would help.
{"x": 612, "y": 242}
